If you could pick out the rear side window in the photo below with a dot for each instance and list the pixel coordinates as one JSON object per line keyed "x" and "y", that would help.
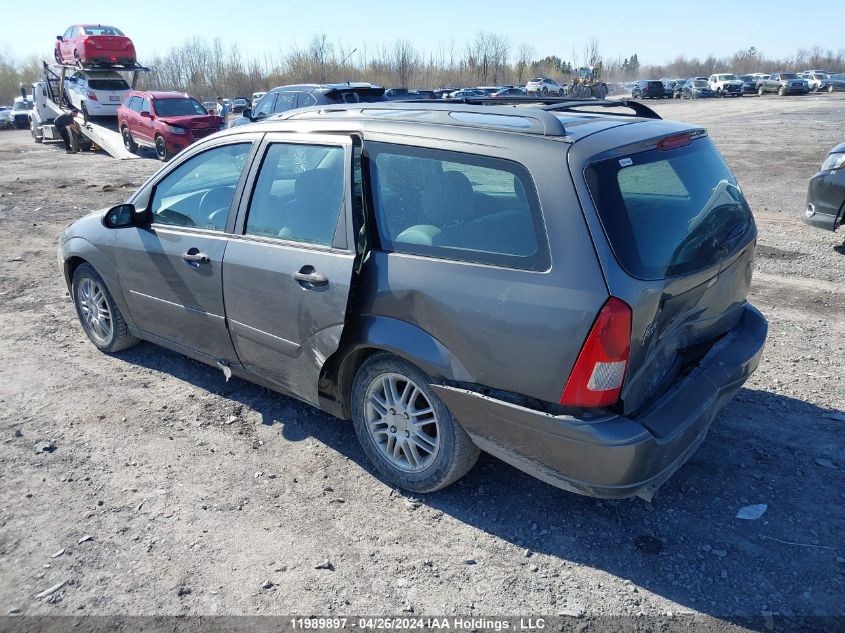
{"x": 457, "y": 206}
{"x": 670, "y": 213}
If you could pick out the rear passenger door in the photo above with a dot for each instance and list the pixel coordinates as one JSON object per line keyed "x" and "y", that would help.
{"x": 288, "y": 267}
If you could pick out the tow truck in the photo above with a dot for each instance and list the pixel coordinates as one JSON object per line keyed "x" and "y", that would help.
{"x": 51, "y": 100}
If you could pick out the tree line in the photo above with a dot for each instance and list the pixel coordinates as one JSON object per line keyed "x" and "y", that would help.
{"x": 207, "y": 68}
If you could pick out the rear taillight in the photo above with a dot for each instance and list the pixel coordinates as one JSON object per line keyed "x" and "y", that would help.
{"x": 92, "y": 96}
{"x": 597, "y": 377}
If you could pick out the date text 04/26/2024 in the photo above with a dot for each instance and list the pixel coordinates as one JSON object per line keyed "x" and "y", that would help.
{"x": 419, "y": 623}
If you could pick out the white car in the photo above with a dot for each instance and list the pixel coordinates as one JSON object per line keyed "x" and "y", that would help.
{"x": 256, "y": 97}
{"x": 816, "y": 80}
{"x": 96, "y": 92}
{"x": 726, "y": 85}
{"x": 546, "y": 86}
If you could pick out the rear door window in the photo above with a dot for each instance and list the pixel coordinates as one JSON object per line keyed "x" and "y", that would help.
{"x": 457, "y": 206}
{"x": 670, "y": 213}
{"x": 298, "y": 194}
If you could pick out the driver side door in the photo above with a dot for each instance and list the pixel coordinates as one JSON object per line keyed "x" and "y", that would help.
{"x": 171, "y": 270}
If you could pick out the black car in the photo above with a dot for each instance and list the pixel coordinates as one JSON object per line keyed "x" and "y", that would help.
{"x": 284, "y": 98}
{"x": 697, "y": 89}
{"x": 749, "y": 84}
{"x": 649, "y": 89}
{"x": 399, "y": 94}
{"x": 826, "y": 192}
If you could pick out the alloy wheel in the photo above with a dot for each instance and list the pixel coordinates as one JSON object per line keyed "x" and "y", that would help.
{"x": 402, "y": 423}
{"x": 94, "y": 310}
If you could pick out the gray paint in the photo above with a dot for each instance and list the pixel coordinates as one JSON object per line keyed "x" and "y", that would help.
{"x": 469, "y": 326}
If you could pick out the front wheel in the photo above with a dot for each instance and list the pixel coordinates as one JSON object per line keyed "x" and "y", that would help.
{"x": 830, "y": 88}
{"x": 98, "y": 313}
{"x": 760, "y": 91}
{"x": 406, "y": 431}
{"x": 161, "y": 150}
{"x": 781, "y": 92}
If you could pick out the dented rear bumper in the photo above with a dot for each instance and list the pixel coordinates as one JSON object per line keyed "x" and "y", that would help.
{"x": 615, "y": 456}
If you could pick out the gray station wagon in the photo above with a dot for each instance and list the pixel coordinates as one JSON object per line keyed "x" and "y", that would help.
{"x": 563, "y": 286}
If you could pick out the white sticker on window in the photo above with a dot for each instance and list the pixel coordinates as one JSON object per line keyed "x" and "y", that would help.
{"x": 625, "y": 162}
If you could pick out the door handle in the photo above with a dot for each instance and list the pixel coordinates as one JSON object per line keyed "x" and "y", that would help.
{"x": 193, "y": 256}
{"x": 306, "y": 276}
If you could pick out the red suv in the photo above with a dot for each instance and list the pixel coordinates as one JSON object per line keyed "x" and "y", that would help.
{"x": 165, "y": 121}
{"x": 94, "y": 44}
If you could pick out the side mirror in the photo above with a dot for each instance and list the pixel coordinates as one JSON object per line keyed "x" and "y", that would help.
{"x": 247, "y": 113}
{"x": 124, "y": 215}
{"x": 146, "y": 115}
{"x": 60, "y": 38}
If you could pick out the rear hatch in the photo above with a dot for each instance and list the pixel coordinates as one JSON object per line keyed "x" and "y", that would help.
{"x": 681, "y": 249}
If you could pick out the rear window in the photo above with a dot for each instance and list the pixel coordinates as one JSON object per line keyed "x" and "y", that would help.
{"x": 669, "y": 213}
{"x": 108, "y": 84}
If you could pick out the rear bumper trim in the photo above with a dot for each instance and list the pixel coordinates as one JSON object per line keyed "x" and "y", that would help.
{"x": 615, "y": 456}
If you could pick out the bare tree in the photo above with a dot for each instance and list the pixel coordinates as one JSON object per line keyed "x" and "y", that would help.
{"x": 524, "y": 55}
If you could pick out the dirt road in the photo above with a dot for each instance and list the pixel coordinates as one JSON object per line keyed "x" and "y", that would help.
{"x": 196, "y": 492}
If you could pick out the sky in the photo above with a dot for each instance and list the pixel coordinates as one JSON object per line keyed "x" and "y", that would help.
{"x": 657, "y": 30}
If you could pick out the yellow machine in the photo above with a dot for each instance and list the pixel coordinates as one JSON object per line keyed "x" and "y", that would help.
{"x": 588, "y": 84}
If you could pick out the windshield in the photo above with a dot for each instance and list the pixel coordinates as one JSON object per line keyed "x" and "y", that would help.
{"x": 727, "y": 77}
{"x": 108, "y": 84}
{"x": 22, "y": 105}
{"x": 102, "y": 30}
{"x": 700, "y": 83}
{"x": 788, "y": 76}
{"x": 669, "y": 213}
{"x": 746, "y": 77}
{"x": 179, "y": 107}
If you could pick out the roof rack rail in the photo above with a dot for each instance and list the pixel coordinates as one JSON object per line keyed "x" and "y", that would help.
{"x": 554, "y": 104}
{"x": 452, "y": 112}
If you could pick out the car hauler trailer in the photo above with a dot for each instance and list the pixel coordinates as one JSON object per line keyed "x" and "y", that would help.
{"x": 51, "y": 99}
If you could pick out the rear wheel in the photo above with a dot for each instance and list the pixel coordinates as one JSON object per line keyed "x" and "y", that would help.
{"x": 77, "y": 58}
{"x": 128, "y": 142}
{"x": 99, "y": 315}
{"x": 545, "y": 90}
{"x": 830, "y": 88}
{"x": 406, "y": 431}
{"x": 781, "y": 92}
{"x": 161, "y": 150}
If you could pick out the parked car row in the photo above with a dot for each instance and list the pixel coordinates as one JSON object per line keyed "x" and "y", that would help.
{"x": 731, "y": 85}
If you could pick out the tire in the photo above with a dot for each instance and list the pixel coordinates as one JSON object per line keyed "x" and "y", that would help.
{"x": 107, "y": 331}
{"x": 449, "y": 452}
{"x": 162, "y": 152}
{"x": 830, "y": 88}
{"x": 560, "y": 92}
{"x": 781, "y": 92}
{"x": 58, "y": 57}
{"x": 545, "y": 90}
{"x": 128, "y": 142}
{"x": 760, "y": 91}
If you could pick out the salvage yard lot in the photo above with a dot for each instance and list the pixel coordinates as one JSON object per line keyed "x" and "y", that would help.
{"x": 197, "y": 492}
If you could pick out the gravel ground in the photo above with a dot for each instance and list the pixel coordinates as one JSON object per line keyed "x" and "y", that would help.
{"x": 196, "y": 492}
